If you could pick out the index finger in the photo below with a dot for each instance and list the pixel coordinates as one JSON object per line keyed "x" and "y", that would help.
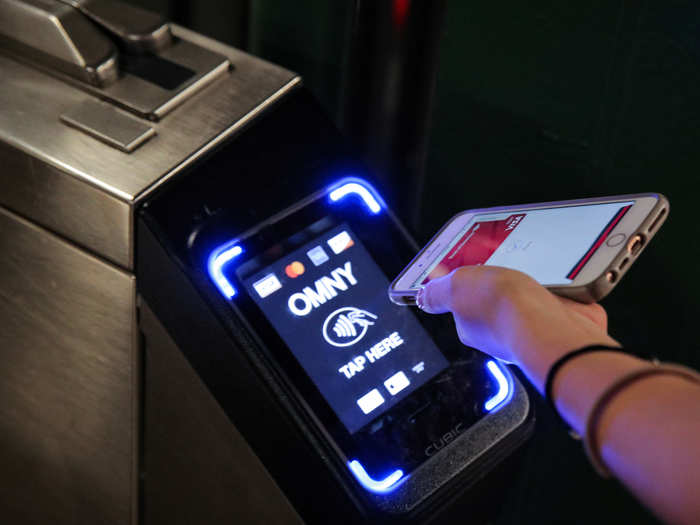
{"x": 436, "y": 296}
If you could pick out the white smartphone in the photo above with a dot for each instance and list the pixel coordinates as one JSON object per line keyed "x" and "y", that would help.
{"x": 578, "y": 249}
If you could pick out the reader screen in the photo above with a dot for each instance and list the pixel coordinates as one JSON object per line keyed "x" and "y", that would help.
{"x": 328, "y": 301}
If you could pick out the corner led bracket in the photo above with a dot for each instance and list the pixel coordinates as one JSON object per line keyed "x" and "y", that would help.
{"x": 377, "y": 486}
{"x": 359, "y": 187}
{"x": 347, "y": 186}
{"x": 504, "y": 387}
{"x": 217, "y": 260}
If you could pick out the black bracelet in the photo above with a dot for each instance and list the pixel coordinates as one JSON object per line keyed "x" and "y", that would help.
{"x": 551, "y": 375}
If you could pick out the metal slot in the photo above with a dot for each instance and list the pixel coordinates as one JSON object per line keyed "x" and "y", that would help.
{"x": 623, "y": 263}
{"x": 151, "y": 101}
{"x": 157, "y": 70}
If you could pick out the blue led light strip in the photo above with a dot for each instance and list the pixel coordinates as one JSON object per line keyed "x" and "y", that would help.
{"x": 378, "y": 486}
{"x": 226, "y": 253}
{"x": 217, "y": 260}
{"x": 359, "y": 187}
{"x": 504, "y": 387}
{"x": 229, "y": 251}
{"x": 390, "y": 482}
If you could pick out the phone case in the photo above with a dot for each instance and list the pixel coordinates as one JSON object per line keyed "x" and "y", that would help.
{"x": 591, "y": 292}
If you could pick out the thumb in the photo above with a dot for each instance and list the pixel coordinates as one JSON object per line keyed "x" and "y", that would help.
{"x": 436, "y": 296}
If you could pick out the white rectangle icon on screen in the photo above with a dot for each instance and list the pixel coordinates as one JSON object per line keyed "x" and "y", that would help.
{"x": 267, "y": 285}
{"x": 340, "y": 242}
{"x": 396, "y": 383}
{"x": 370, "y": 401}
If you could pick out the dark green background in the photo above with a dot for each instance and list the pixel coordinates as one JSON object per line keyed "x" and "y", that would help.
{"x": 535, "y": 101}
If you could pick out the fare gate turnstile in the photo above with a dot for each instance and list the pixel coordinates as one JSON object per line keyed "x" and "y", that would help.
{"x": 194, "y": 318}
{"x": 269, "y": 265}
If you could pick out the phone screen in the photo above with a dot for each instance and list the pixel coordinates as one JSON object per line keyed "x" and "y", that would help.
{"x": 552, "y": 245}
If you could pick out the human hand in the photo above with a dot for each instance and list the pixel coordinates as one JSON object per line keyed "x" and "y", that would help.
{"x": 509, "y": 315}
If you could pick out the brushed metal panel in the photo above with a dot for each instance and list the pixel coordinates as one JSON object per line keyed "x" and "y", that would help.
{"x": 84, "y": 189}
{"x": 66, "y": 205}
{"x": 199, "y": 468}
{"x": 68, "y": 382}
{"x": 57, "y": 36}
{"x": 151, "y": 101}
{"x": 35, "y": 128}
{"x": 139, "y": 30}
{"x": 105, "y": 123}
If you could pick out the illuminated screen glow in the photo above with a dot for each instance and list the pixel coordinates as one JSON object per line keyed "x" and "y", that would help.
{"x": 327, "y": 300}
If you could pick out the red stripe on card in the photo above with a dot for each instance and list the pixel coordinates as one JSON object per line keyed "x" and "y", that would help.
{"x": 599, "y": 241}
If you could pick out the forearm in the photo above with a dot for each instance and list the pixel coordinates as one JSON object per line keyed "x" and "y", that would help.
{"x": 650, "y": 439}
{"x": 646, "y": 426}
{"x": 648, "y": 433}
{"x": 540, "y": 332}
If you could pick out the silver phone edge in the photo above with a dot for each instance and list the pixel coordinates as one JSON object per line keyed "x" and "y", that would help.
{"x": 595, "y": 290}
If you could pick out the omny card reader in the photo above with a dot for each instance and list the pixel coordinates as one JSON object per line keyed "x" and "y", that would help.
{"x": 194, "y": 325}
{"x": 263, "y": 283}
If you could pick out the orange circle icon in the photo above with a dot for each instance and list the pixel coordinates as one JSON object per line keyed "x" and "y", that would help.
{"x": 294, "y": 270}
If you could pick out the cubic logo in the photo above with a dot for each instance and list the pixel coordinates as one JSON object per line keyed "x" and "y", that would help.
{"x": 325, "y": 289}
{"x": 446, "y": 438}
{"x": 348, "y": 324}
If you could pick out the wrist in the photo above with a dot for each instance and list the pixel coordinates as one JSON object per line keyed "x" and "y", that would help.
{"x": 537, "y": 361}
{"x": 580, "y": 382}
{"x": 538, "y": 329}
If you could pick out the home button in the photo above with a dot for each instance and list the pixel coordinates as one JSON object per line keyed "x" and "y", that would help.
{"x": 616, "y": 239}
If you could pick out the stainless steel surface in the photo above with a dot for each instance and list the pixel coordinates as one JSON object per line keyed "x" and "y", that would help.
{"x": 66, "y": 205}
{"x": 68, "y": 394}
{"x": 69, "y": 45}
{"x": 109, "y": 125}
{"x": 219, "y": 479}
{"x": 151, "y": 101}
{"x": 57, "y": 36}
{"x": 36, "y": 130}
{"x": 264, "y": 74}
{"x": 69, "y": 380}
{"x": 84, "y": 189}
{"x": 137, "y": 29}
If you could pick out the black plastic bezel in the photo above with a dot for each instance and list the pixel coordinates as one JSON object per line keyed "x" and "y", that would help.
{"x": 462, "y": 388}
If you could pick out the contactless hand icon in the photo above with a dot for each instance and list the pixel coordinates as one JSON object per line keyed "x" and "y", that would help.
{"x": 346, "y": 326}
